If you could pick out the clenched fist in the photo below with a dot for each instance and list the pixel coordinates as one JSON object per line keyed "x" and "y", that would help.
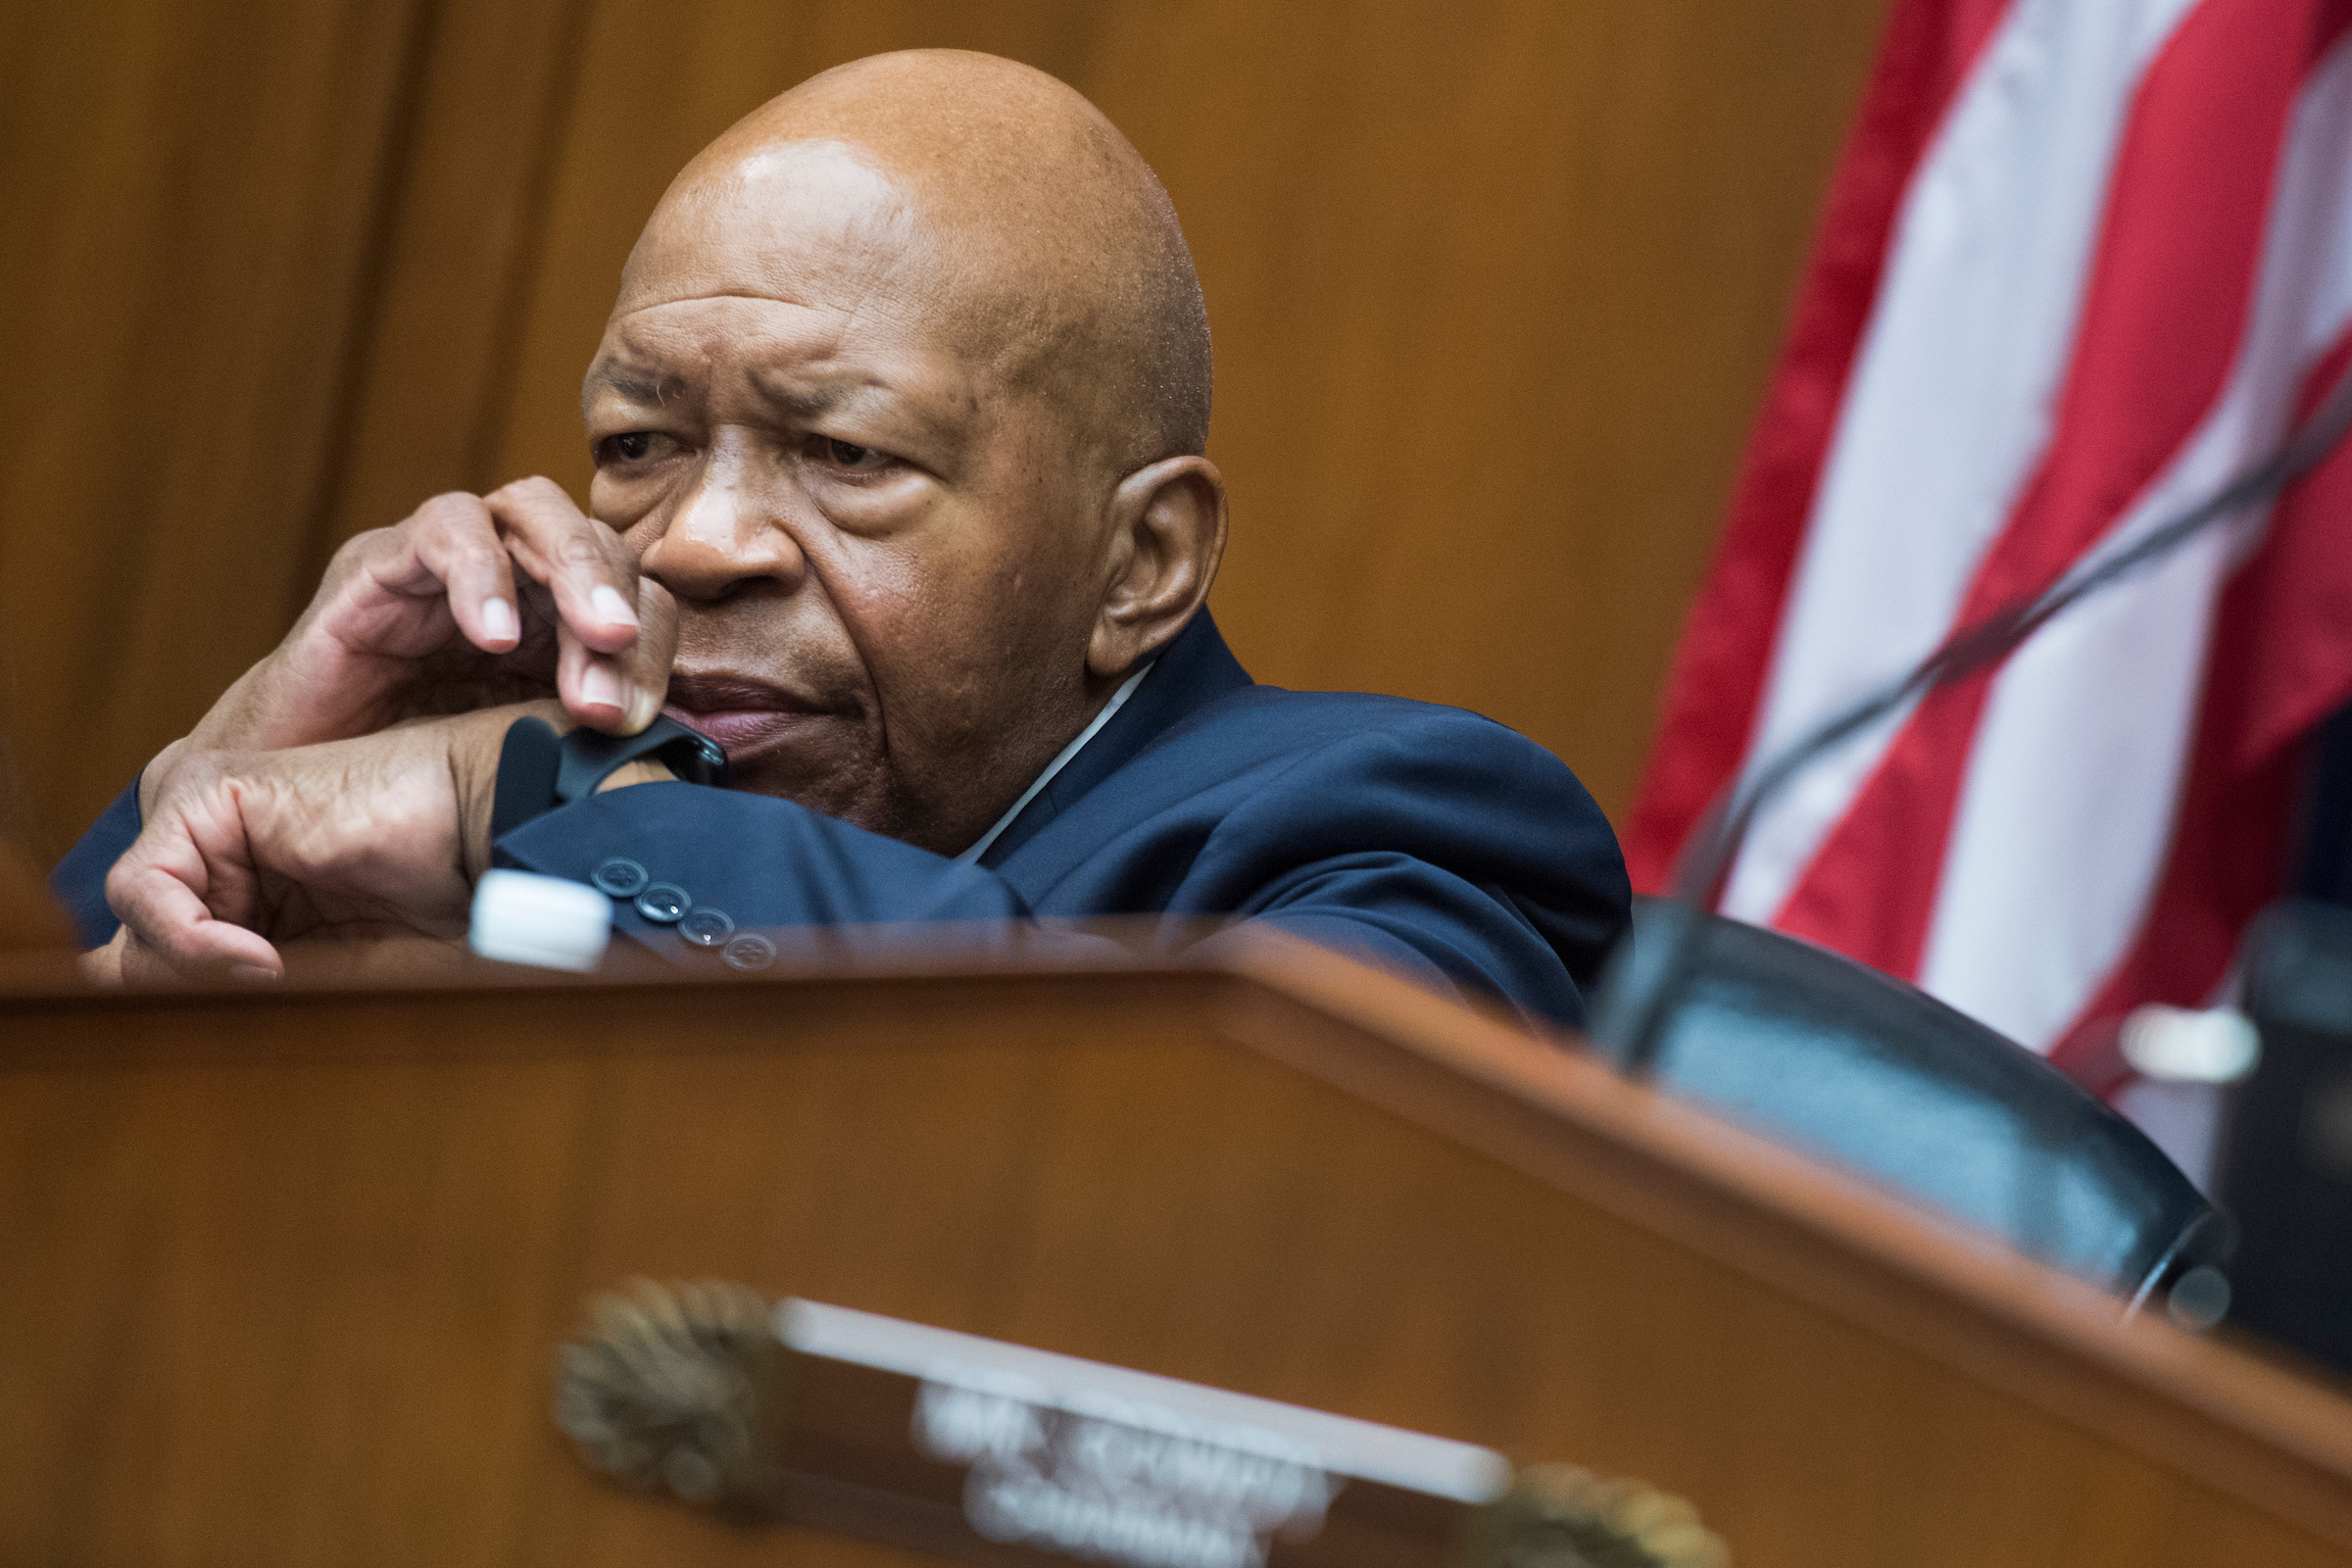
{"x": 378, "y": 836}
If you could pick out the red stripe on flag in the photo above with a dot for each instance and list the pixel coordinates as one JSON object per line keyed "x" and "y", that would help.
{"x": 2167, "y": 295}
{"x": 1718, "y": 674}
{"x": 2300, "y": 670}
{"x": 2281, "y": 661}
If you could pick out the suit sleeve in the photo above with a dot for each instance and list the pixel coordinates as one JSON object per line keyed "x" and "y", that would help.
{"x": 79, "y": 879}
{"x": 1452, "y": 850}
{"x": 763, "y": 863}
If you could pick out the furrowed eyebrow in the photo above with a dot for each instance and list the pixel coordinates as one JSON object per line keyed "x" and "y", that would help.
{"x": 804, "y": 405}
{"x": 637, "y": 384}
{"x": 807, "y": 394}
{"x": 810, "y": 403}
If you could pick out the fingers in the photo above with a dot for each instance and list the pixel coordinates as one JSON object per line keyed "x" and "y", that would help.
{"x": 622, "y": 693}
{"x": 204, "y": 958}
{"x": 591, "y": 687}
{"x": 103, "y": 966}
{"x": 609, "y": 675}
{"x": 385, "y": 637}
{"x": 462, "y": 548}
{"x": 460, "y": 545}
{"x": 584, "y": 565}
{"x": 168, "y": 929}
{"x": 655, "y": 652}
{"x": 447, "y": 554}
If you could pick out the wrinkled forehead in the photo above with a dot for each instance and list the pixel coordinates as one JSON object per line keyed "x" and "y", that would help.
{"x": 807, "y": 221}
{"x": 848, "y": 269}
{"x": 821, "y": 224}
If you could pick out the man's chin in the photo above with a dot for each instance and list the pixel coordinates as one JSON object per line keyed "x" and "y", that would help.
{"x": 820, "y": 778}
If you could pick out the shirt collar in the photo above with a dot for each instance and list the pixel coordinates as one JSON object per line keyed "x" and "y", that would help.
{"x": 1118, "y": 699}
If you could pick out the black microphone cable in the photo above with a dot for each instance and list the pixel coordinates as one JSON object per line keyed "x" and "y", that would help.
{"x": 1631, "y": 1021}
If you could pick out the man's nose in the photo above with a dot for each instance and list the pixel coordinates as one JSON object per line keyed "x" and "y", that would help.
{"x": 727, "y": 534}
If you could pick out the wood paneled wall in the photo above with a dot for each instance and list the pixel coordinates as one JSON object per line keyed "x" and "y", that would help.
{"x": 1494, "y": 286}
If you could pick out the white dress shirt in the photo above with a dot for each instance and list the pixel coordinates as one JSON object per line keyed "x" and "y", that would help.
{"x": 1061, "y": 758}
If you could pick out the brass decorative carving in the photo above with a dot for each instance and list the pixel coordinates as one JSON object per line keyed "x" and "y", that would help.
{"x": 1562, "y": 1516}
{"x": 667, "y": 1391}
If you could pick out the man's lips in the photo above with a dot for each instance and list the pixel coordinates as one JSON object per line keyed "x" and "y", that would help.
{"x": 741, "y": 715}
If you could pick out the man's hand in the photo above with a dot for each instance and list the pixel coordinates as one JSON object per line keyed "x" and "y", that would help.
{"x": 431, "y": 617}
{"x": 356, "y": 839}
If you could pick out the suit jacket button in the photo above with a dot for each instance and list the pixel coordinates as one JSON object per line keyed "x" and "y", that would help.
{"x": 623, "y": 879}
{"x": 706, "y": 927}
{"x": 748, "y": 951}
{"x": 665, "y": 903}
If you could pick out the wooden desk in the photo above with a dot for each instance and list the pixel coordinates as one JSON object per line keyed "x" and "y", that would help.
{"x": 285, "y": 1270}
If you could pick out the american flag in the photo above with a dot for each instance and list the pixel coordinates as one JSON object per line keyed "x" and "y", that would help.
{"x": 2082, "y": 261}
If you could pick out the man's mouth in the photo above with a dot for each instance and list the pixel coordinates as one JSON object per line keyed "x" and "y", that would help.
{"x": 742, "y": 716}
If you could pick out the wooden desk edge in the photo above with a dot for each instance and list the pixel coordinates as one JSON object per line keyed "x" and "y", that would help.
{"x": 1903, "y": 1273}
{"x": 2265, "y": 1432}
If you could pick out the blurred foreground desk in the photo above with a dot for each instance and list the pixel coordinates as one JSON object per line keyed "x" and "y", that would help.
{"x": 285, "y": 1273}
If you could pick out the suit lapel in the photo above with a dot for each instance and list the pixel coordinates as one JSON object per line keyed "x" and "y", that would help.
{"x": 1194, "y": 670}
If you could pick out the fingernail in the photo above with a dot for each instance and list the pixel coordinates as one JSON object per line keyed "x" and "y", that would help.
{"x": 612, "y": 607}
{"x": 497, "y": 620}
{"x": 643, "y": 708}
{"x": 252, "y": 972}
{"x": 599, "y": 688}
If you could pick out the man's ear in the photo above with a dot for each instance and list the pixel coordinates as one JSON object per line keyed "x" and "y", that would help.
{"x": 1166, "y": 535}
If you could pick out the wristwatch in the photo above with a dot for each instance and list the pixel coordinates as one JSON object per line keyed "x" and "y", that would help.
{"x": 537, "y": 772}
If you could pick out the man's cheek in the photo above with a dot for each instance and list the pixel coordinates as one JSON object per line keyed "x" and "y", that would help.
{"x": 626, "y": 514}
{"x": 937, "y": 672}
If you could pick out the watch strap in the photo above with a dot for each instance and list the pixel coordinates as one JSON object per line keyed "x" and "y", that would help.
{"x": 527, "y": 762}
{"x": 587, "y": 756}
{"x": 538, "y": 773}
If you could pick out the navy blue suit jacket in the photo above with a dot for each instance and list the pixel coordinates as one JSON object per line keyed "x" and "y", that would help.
{"x": 1426, "y": 839}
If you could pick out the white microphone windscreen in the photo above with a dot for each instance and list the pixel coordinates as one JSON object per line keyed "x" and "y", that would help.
{"x": 545, "y": 921}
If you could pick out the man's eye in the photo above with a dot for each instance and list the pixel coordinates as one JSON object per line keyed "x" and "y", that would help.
{"x": 625, "y": 448}
{"x": 849, "y": 453}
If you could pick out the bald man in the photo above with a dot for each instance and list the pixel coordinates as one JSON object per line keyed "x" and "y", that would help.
{"x": 901, "y": 499}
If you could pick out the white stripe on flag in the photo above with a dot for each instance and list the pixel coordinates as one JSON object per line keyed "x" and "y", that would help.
{"x": 2079, "y": 760}
{"x": 1948, "y": 409}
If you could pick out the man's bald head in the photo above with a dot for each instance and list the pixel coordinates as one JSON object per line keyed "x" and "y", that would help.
{"x": 1042, "y": 236}
{"x": 903, "y": 401}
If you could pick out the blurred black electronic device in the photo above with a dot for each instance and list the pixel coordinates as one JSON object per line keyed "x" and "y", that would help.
{"x": 2286, "y": 1157}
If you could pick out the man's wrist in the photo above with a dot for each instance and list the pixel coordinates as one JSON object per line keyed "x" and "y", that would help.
{"x": 474, "y": 751}
{"x": 277, "y": 703}
{"x": 644, "y": 770}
